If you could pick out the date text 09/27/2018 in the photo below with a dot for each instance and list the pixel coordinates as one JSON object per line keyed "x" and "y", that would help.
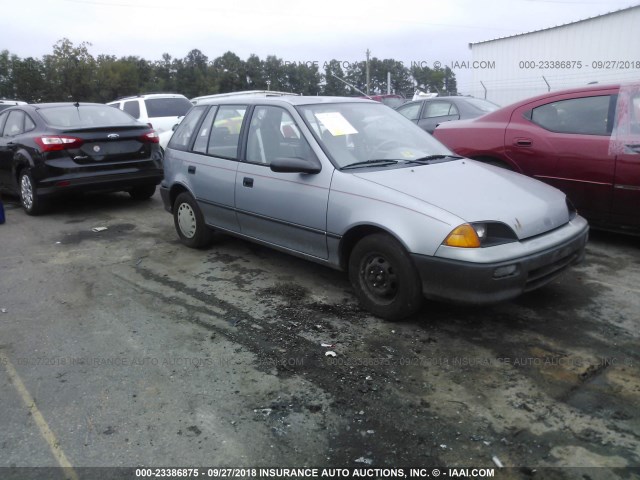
{"x": 579, "y": 64}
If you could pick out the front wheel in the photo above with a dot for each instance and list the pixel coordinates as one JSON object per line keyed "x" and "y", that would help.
{"x": 189, "y": 222}
{"x": 31, "y": 202}
{"x": 384, "y": 277}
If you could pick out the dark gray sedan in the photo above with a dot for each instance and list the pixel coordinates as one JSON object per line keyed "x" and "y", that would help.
{"x": 431, "y": 112}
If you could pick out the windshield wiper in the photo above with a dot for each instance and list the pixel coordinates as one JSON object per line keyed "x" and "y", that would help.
{"x": 430, "y": 158}
{"x": 379, "y": 163}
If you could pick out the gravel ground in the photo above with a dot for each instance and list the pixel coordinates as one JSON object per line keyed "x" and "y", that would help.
{"x": 136, "y": 350}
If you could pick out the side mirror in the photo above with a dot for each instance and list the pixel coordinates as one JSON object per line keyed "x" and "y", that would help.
{"x": 295, "y": 165}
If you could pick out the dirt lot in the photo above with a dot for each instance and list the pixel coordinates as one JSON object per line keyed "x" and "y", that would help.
{"x": 135, "y": 350}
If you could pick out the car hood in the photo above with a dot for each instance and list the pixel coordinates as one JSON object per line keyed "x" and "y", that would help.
{"x": 476, "y": 192}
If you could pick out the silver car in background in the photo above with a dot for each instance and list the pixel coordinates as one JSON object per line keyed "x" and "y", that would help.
{"x": 356, "y": 186}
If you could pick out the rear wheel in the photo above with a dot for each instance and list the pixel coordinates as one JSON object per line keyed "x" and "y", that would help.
{"x": 384, "y": 277}
{"x": 142, "y": 192}
{"x": 189, "y": 222}
{"x": 31, "y": 202}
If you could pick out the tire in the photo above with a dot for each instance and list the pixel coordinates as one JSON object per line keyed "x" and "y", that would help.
{"x": 189, "y": 222}
{"x": 143, "y": 192}
{"x": 31, "y": 202}
{"x": 381, "y": 258}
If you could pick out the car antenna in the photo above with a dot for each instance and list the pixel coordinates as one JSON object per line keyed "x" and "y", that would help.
{"x": 352, "y": 86}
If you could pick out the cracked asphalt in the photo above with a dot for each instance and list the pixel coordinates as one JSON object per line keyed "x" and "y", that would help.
{"x": 138, "y": 351}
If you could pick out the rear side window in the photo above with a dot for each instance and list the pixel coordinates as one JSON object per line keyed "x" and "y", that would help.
{"x": 167, "y": 107}
{"x": 3, "y": 118}
{"x": 181, "y": 138}
{"x": 17, "y": 123}
{"x": 225, "y": 133}
{"x": 70, "y": 116}
{"x": 583, "y": 116}
{"x": 132, "y": 108}
{"x": 439, "y": 109}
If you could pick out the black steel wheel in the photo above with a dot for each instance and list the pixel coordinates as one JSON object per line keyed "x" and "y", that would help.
{"x": 386, "y": 281}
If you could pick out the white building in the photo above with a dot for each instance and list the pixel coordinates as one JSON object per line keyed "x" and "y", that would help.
{"x": 603, "y": 49}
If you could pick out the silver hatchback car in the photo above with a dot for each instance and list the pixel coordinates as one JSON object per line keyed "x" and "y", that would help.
{"x": 354, "y": 185}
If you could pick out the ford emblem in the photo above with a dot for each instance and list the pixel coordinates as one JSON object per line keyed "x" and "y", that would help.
{"x": 113, "y": 136}
{"x": 96, "y": 149}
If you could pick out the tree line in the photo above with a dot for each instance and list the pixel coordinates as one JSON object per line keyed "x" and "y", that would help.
{"x": 71, "y": 73}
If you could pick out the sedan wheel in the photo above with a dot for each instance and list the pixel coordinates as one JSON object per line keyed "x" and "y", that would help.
{"x": 384, "y": 277}
{"x": 28, "y": 196}
{"x": 189, "y": 222}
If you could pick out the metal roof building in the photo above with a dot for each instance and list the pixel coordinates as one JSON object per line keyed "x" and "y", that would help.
{"x": 603, "y": 49}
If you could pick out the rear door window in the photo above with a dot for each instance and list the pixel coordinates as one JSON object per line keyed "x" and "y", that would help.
{"x": 439, "y": 109}
{"x": 225, "y": 133}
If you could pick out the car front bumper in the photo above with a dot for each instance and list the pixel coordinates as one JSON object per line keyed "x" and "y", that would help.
{"x": 495, "y": 274}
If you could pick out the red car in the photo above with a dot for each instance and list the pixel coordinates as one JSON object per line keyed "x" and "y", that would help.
{"x": 584, "y": 141}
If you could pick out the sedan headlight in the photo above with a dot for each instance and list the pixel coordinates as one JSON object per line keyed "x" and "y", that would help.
{"x": 480, "y": 234}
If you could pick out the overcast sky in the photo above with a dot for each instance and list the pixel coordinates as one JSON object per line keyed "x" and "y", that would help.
{"x": 424, "y": 31}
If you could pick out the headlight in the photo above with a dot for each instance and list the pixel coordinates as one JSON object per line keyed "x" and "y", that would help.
{"x": 480, "y": 234}
{"x": 463, "y": 236}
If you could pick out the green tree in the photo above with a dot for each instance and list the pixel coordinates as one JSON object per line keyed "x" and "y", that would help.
{"x": 332, "y": 86}
{"x": 193, "y": 77}
{"x": 439, "y": 80}
{"x": 29, "y": 81}
{"x": 254, "y": 68}
{"x": 230, "y": 73}
{"x": 70, "y": 72}
{"x": 6, "y": 75}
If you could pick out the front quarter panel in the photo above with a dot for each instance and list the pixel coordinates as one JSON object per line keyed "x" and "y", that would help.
{"x": 354, "y": 202}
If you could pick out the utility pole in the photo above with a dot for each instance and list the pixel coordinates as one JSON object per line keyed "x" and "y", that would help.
{"x": 368, "y": 72}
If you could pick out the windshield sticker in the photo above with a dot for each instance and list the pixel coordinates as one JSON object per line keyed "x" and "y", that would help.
{"x": 336, "y": 123}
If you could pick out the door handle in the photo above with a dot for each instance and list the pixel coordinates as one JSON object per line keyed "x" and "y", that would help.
{"x": 191, "y": 169}
{"x": 523, "y": 142}
{"x": 247, "y": 182}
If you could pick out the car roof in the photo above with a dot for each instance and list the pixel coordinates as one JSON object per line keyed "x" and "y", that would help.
{"x": 37, "y": 106}
{"x": 283, "y": 100}
{"x": 569, "y": 91}
{"x": 149, "y": 95}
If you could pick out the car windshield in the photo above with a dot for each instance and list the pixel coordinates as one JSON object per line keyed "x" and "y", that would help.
{"x": 85, "y": 116}
{"x": 369, "y": 134}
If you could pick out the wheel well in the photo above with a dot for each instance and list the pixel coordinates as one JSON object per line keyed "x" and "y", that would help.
{"x": 176, "y": 190}
{"x": 352, "y": 237}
